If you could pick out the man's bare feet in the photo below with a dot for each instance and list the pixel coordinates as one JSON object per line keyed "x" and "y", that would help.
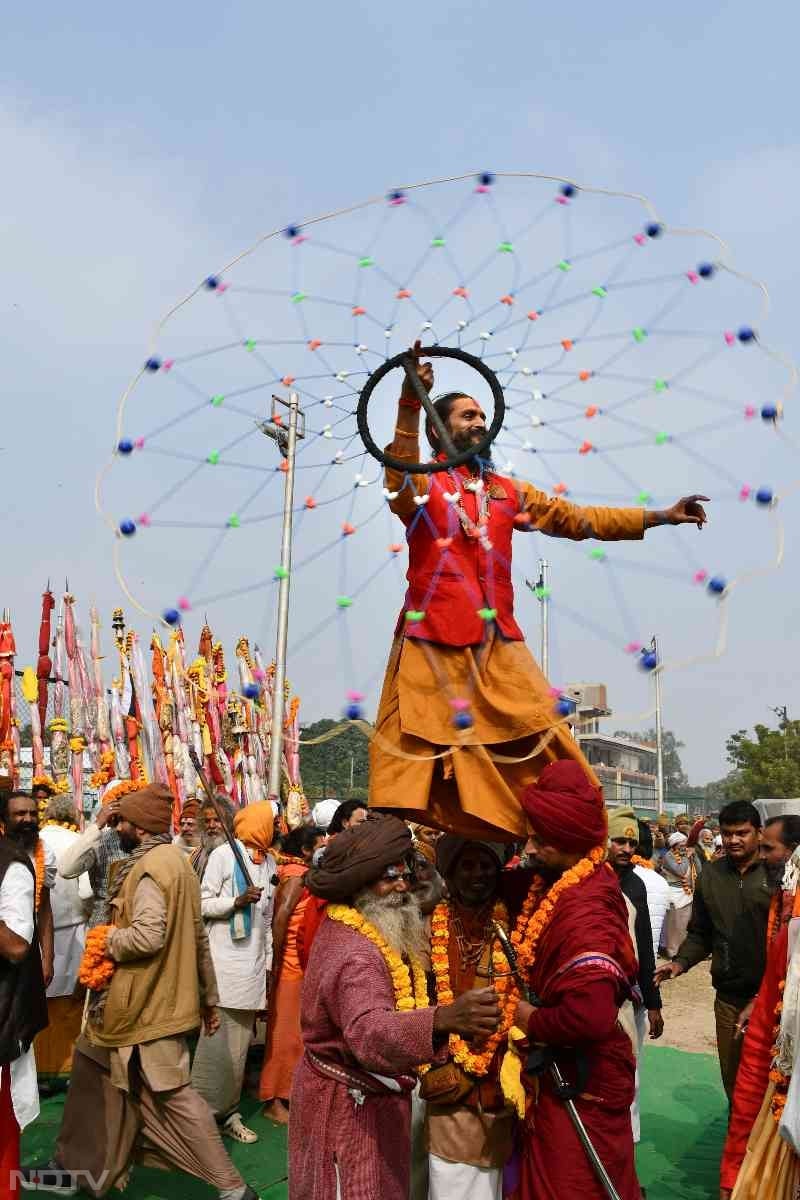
{"x": 276, "y": 1111}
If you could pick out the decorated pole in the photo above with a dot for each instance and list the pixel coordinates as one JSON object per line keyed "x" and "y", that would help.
{"x": 59, "y": 742}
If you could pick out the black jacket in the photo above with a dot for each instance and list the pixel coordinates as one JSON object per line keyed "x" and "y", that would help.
{"x": 633, "y": 887}
{"x": 23, "y": 1003}
{"x": 729, "y": 922}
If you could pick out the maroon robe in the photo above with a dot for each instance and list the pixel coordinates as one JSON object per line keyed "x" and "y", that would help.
{"x": 348, "y": 1019}
{"x": 582, "y": 996}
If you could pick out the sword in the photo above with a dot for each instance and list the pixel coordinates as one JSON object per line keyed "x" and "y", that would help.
{"x": 212, "y": 800}
{"x": 562, "y": 1088}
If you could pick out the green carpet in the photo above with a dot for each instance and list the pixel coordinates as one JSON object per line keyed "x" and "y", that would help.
{"x": 683, "y": 1126}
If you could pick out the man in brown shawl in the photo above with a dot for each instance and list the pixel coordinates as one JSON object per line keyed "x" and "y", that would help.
{"x": 130, "y": 1097}
{"x": 366, "y": 1026}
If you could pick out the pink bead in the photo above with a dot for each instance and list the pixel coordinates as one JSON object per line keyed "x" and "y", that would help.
{"x": 730, "y": 338}
{"x": 139, "y": 444}
{"x": 481, "y": 189}
{"x": 700, "y": 576}
{"x": 692, "y": 276}
{"x": 633, "y": 647}
{"x": 222, "y": 287}
{"x": 298, "y": 241}
{"x": 459, "y": 704}
{"x": 749, "y": 412}
{"x": 398, "y": 200}
{"x": 355, "y": 697}
{"x": 259, "y": 674}
{"x": 744, "y": 491}
{"x": 168, "y": 364}
{"x": 562, "y": 200}
{"x": 143, "y": 519}
{"x": 183, "y": 604}
{"x": 639, "y": 238}
{"x": 554, "y": 693}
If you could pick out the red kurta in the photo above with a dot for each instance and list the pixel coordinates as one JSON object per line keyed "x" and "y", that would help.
{"x": 582, "y": 1002}
{"x": 754, "y": 1066}
{"x": 349, "y": 1019}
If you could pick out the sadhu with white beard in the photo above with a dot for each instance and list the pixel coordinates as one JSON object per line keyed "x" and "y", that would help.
{"x": 366, "y": 1021}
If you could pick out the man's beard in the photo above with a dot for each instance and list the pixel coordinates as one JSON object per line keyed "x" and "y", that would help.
{"x": 775, "y": 873}
{"x": 397, "y": 918}
{"x": 210, "y": 841}
{"x": 466, "y": 439}
{"x": 26, "y": 834}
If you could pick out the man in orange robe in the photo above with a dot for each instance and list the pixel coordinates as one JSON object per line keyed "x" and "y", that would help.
{"x": 466, "y": 719}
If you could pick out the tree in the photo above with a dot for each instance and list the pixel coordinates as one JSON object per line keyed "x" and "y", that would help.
{"x": 326, "y": 767}
{"x": 767, "y": 765}
{"x": 675, "y": 778}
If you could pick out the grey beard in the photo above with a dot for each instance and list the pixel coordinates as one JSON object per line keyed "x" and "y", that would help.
{"x": 398, "y": 919}
{"x": 210, "y": 842}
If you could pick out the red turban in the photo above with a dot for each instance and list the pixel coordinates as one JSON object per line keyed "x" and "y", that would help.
{"x": 566, "y": 809}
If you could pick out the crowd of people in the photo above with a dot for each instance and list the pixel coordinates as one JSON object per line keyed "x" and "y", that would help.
{"x": 440, "y": 1013}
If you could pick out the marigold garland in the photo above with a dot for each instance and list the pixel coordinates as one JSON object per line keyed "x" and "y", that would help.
{"x": 121, "y": 789}
{"x": 410, "y": 984}
{"x": 638, "y": 861}
{"x": 61, "y": 825}
{"x": 96, "y": 969}
{"x": 38, "y": 862}
{"x": 474, "y": 1062}
{"x": 537, "y": 911}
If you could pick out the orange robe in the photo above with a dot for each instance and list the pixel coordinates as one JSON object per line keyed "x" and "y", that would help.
{"x": 421, "y": 766}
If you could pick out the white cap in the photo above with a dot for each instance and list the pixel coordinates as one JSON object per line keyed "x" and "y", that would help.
{"x": 322, "y": 813}
{"x": 677, "y": 839}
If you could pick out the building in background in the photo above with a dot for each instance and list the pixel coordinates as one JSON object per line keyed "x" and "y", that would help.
{"x": 626, "y": 769}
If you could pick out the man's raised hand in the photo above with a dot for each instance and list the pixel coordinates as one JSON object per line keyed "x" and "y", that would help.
{"x": 424, "y": 373}
{"x": 688, "y": 511}
{"x": 476, "y": 1014}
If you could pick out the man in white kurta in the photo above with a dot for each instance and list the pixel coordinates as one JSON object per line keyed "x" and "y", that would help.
{"x": 239, "y": 922}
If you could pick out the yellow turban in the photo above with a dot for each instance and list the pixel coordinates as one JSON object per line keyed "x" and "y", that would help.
{"x": 254, "y": 825}
{"x": 622, "y": 824}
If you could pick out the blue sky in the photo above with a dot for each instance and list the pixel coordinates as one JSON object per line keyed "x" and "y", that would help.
{"x": 143, "y": 146}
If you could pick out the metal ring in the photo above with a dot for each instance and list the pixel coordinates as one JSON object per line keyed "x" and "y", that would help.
{"x": 430, "y": 468}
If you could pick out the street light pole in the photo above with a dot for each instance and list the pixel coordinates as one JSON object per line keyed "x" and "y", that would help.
{"x": 544, "y": 600}
{"x": 287, "y": 443}
{"x": 659, "y": 731}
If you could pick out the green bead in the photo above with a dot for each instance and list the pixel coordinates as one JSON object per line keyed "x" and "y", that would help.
{"x": 217, "y": 401}
{"x": 639, "y": 334}
{"x": 250, "y": 344}
{"x": 597, "y": 554}
{"x": 487, "y": 614}
{"x": 542, "y": 593}
{"x": 437, "y": 242}
{"x": 233, "y": 522}
{"x": 415, "y": 616}
{"x": 600, "y": 291}
{"x": 344, "y": 601}
{"x": 281, "y": 573}
{"x": 564, "y": 265}
{"x": 213, "y": 458}
{"x": 297, "y": 297}
{"x": 661, "y": 438}
{"x": 506, "y": 248}
{"x": 643, "y": 498}
{"x": 660, "y": 385}
{"x": 366, "y": 261}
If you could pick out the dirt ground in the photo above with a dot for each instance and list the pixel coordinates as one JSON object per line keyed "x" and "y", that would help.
{"x": 689, "y": 1012}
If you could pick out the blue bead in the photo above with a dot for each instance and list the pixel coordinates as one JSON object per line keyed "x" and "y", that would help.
{"x": 292, "y": 231}
{"x": 211, "y": 283}
{"x": 568, "y": 189}
{"x": 353, "y": 712}
{"x": 705, "y": 270}
{"x": 769, "y": 412}
{"x": 565, "y": 707}
{"x": 152, "y": 364}
{"x": 717, "y": 585}
{"x": 125, "y": 446}
{"x": 172, "y": 616}
{"x": 252, "y": 691}
{"x": 746, "y": 334}
{"x": 764, "y": 495}
{"x": 397, "y": 195}
{"x": 654, "y": 230}
{"x": 127, "y": 528}
{"x": 486, "y": 179}
{"x": 648, "y": 661}
{"x": 463, "y": 720}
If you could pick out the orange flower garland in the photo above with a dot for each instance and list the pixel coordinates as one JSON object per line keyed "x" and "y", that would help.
{"x": 61, "y": 825}
{"x": 537, "y": 911}
{"x": 38, "y": 861}
{"x": 96, "y": 969}
{"x": 474, "y": 1062}
{"x": 638, "y": 861}
{"x": 121, "y": 789}
{"x": 777, "y": 1077}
